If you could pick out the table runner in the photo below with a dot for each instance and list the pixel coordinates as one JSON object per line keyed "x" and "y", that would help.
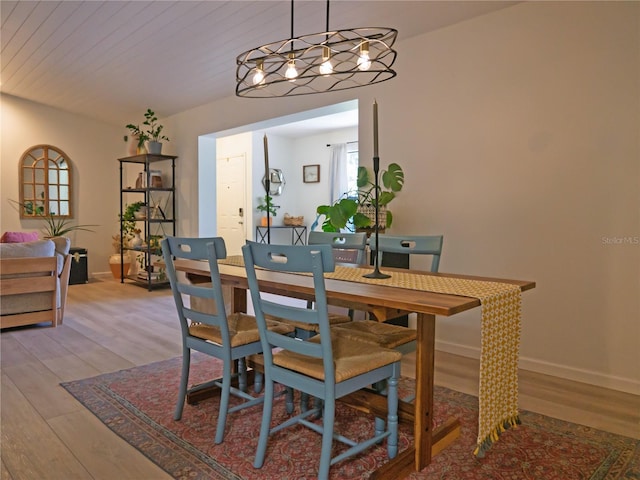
{"x": 500, "y": 343}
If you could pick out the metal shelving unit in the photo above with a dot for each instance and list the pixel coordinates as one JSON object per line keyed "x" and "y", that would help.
{"x": 160, "y": 210}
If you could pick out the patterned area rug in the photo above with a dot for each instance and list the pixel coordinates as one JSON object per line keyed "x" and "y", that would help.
{"x": 138, "y": 404}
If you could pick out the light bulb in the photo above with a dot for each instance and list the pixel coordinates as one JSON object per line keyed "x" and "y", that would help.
{"x": 326, "y": 68}
{"x": 291, "y": 72}
{"x": 258, "y": 77}
{"x": 364, "y": 63}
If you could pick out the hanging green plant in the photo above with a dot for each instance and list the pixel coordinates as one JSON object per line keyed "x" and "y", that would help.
{"x": 128, "y": 219}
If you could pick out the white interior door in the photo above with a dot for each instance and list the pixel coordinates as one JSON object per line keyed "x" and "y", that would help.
{"x": 231, "y": 202}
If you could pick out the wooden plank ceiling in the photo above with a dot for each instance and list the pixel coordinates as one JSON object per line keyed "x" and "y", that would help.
{"x": 109, "y": 60}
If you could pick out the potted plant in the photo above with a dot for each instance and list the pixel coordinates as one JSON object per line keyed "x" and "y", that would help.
{"x": 154, "y": 132}
{"x": 128, "y": 220}
{"x": 266, "y": 204}
{"x": 358, "y": 208}
{"x": 153, "y": 135}
{"x": 139, "y": 136}
{"x": 55, "y": 226}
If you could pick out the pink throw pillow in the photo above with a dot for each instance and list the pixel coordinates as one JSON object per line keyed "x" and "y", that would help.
{"x": 19, "y": 237}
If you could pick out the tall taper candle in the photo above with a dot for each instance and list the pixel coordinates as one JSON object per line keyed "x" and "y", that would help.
{"x": 266, "y": 157}
{"x": 375, "y": 128}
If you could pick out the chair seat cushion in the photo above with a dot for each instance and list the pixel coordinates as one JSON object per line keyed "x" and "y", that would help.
{"x": 243, "y": 330}
{"x": 334, "y": 319}
{"x": 350, "y": 357}
{"x": 377, "y": 333}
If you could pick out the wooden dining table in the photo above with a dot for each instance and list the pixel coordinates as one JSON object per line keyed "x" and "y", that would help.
{"x": 383, "y": 302}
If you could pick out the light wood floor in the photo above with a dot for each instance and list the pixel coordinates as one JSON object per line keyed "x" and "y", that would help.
{"x": 48, "y": 435}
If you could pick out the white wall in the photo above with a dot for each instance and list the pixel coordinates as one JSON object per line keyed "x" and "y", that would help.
{"x": 518, "y": 134}
{"x": 526, "y": 142}
{"x": 93, "y": 148}
{"x": 313, "y": 150}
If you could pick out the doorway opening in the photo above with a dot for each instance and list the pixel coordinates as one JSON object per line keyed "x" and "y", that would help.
{"x": 294, "y": 141}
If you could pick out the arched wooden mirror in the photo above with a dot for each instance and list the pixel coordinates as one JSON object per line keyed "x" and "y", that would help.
{"x": 45, "y": 183}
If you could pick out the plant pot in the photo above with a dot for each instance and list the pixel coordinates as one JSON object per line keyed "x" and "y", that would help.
{"x": 263, "y": 221}
{"x": 114, "y": 265}
{"x": 155, "y": 148}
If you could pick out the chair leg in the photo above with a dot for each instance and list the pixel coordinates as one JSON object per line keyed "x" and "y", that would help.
{"x": 225, "y": 392}
{"x": 184, "y": 380}
{"x": 327, "y": 438}
{"x": 242, "y": 375}
{"x": 288, "y": 400}
{"x": 265, "y": 426}
{"x": 257, "y": 380}
{"x": 392, "y": 418}
{"x": 304, "y": 401}
{"x": 379, "y": 426}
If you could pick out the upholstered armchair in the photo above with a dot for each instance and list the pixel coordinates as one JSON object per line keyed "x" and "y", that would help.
{"x": 34, "y": 277}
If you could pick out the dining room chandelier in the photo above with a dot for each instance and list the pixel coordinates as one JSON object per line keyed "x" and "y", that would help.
{"x": 320, "y": 62}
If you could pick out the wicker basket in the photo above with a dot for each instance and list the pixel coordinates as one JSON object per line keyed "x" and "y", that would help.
{"x": 293, "y": 221}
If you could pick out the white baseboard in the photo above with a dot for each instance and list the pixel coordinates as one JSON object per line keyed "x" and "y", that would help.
{"x": 561, "y": 371}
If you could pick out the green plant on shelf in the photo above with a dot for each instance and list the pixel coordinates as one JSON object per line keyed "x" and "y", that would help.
{"x": 128, "y": 220}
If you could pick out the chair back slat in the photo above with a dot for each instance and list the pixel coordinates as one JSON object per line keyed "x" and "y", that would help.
{"x": 289, "y": 312}
{"x": 411, "y": 245}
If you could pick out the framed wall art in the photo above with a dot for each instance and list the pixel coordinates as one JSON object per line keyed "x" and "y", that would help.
{"x": 311, "y": 173}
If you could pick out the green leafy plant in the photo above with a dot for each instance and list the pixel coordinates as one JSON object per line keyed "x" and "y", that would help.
{"x": 155, "y": 130}
{"x": 55, "y": 226}
{"x": 345, "y": 210}
{"x": 128, "y": 219}
{"x": 262, "y": 205}
{"x": 58, "y": 226}
{"x": 136, "y": 132}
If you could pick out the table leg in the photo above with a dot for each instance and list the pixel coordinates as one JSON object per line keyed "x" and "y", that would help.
{"x": 423, "y": 426}
{"x": 239, "y": 299}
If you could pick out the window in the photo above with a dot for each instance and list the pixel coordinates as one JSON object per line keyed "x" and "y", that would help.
{"x": 352, "y": 167}
{"x": 45, "y": 183}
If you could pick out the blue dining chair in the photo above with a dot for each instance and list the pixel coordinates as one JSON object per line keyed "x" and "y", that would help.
{"x": 384, "y": 334}
{"x": 326, "y": 366}
{"x": 347, "y": 247}
{"x": 207, "y": 328}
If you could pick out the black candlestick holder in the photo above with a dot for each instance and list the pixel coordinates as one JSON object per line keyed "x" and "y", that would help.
{"x": 376, "y": 272}
{"x": 267, "y": 187}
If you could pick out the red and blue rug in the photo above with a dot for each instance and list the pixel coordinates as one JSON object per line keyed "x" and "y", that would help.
{"x": 138, "y": 403}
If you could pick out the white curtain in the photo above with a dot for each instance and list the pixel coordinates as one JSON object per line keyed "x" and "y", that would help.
{"x": 338, "y": 174}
